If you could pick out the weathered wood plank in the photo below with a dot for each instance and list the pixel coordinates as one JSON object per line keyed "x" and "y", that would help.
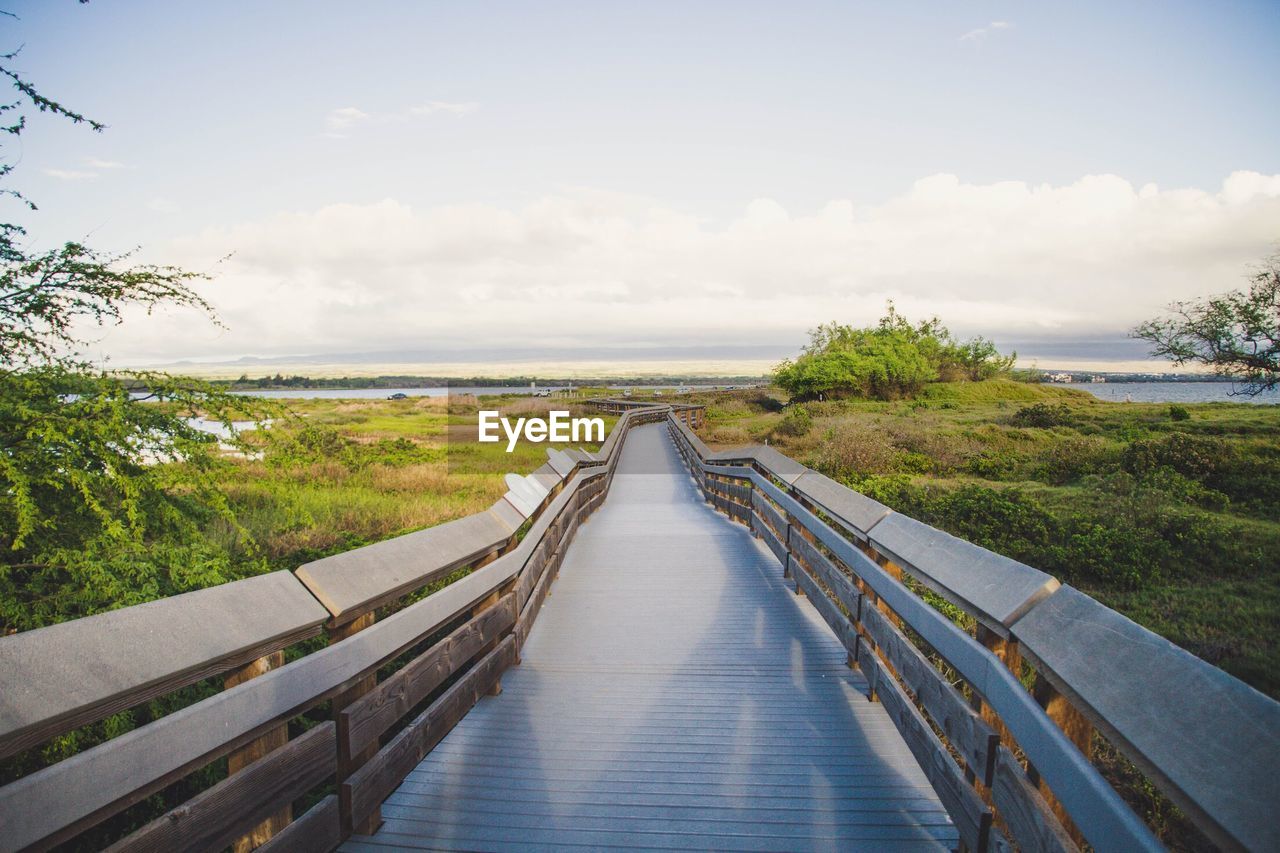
{"x": 362, "y": 722}
{"x": 1025, "y": 812}
{"x": 531, "y": 609}
{"x": 767, "y": 511}
{"x": 855, "y": 512}
{"x": 824, "y": 570}
{"x": 215, "y": 817}
{"x": 837, "y": 621}
{"x": 1209, "y": 741}
{"x": 994, "y": 589}
{"x": 355, "y": 582}
{"x": 58, "y": 678}
{"x": 785, "y": 469}
{"x": 968, "y": 733}
{"x": 365, "y": 790}
{"x": 254, "y": 750}
{"x": 317, "y": 831}
{"x": 765, "y": 532}
{"x": 971, "y": 816}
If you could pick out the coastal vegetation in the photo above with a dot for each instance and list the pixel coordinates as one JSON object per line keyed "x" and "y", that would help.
{"x": 891, "y": 360}
{"x": 1169, "y": 514}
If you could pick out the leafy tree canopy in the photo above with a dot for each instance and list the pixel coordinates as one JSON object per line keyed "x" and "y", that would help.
{"x": 890, "y": 360}
{"x": 1237, "y": 334}
{"x": 104, "y": 491}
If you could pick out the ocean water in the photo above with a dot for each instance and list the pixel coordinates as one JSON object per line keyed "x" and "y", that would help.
{"x": 1173, "y": 392}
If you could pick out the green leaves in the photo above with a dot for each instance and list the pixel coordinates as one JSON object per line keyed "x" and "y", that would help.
{"x": 1237, "y": 334}
{"x": 99, "y": 489}
{"x": 888, "y": 361}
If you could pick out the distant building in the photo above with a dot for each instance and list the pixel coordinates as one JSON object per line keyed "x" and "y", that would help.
{"x": 1098, "y": 379}
{"x": 1058, "y": 377}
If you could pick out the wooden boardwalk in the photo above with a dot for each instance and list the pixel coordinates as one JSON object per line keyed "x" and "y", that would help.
{"x": 673, "y": 694}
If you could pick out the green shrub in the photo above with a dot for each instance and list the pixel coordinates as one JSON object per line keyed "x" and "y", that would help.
{"x": 1073, "y": 457}
{"x": 1179, "y": 413}
{"x": 1042, "y": 415}
{"x": 853, "y": 449}
{"x": 796, "y": 422}
{"x": 1199, "y": 458}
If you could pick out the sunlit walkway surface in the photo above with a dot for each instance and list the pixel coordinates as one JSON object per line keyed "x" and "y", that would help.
{"x": 675, "y": 694}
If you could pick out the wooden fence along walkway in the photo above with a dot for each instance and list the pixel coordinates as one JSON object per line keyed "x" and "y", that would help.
{"x": 674, "y": 692}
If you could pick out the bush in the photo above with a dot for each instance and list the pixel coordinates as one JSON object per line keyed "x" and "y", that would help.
{"x": 796, "y": 422}
{"x": 853, "y": 449}
{"x": 1198, "y": 458}
{"x": 1074, "y": 457}
{"x": 1042, "y": 415}
{"x": 1179, "y": 413}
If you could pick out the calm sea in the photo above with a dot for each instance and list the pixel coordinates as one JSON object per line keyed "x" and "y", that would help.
{"x": 1173, "y": 392}
{"x": 1116, "y": 392}
{"x": 383, "y": 393}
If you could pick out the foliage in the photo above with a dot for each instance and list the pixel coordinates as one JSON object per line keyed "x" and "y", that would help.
{"x": 1174, "y": 523}
{"x": 891, "y": 360}
{"x": 1179, "y": 413}
{"x": 1043, "y": 415}
{"x": 1237, "y": 334}
{"x": 103, "y": 493}
{"x": 796, "y": 422}
{"x": 1200, "y": 458}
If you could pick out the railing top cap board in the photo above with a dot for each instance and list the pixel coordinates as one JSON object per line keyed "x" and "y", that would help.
{"x": 995, "y": 589}
{"x": 781, "y": 466}
{"x": 84, "y": 669}
{"x": 357, "y": 581}
{"x": 1206, "y": 735}
{"x": 853, "y": 510}
{"x": 561, "y": 461}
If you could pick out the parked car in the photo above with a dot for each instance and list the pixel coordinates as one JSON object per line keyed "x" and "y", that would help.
{"x": 399, "y": 395}
{"x": 542, "y": 392}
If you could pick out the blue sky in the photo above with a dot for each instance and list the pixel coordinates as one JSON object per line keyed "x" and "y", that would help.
{"x": 447, "y": 177}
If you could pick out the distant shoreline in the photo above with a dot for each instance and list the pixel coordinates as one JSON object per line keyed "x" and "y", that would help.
{"x": 357, "y": 383}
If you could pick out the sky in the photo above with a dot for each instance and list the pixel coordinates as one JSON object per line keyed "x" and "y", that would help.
{"x": 424, "y": 183}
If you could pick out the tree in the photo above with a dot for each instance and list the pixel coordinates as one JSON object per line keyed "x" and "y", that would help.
{"x": 978, "y": 359}
{"x": 104, "y": 492}
{"x": 1237, "y": 334}
{"x": 890, "y": 360}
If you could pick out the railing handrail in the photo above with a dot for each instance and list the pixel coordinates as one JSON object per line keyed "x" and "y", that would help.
{"x": 1210, "y": 742}
{"x": 49, "y": 673}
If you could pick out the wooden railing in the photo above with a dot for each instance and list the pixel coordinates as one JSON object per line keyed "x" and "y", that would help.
{"x": 1002, "y": 718}
{"x": 448, "y": 649}
{"x": 690, "y": 414}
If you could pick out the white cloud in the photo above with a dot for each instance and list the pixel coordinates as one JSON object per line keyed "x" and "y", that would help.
{"x": 431, "y": 107}
{"x": 95, "y": 163}
{"x": 982, "y": 32}
{"x": 1008, "y": 259}
{"x": 342, "y": 119}
{"x": 338, "y": 122}
{"x": 70, "y": 174}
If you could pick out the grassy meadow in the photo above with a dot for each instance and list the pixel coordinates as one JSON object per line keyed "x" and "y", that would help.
{"x": 1169, "y": 514}
{"x": 338, "y": 474}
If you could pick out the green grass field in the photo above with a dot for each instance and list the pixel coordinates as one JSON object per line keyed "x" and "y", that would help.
{"x": 343, "y": 473}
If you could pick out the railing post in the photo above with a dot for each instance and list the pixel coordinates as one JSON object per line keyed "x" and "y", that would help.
{"x": 255, "y": 749}
{"x": 1077, "y": 728}
{"x": 347, "y": 764}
